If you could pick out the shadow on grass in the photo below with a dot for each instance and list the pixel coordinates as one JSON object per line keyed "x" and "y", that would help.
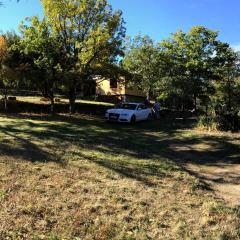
{"x": 149, "y": 144}
{"x": 17, "y": 147}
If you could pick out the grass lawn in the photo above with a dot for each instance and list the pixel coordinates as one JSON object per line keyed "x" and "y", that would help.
{"x": 78, "y": 177}
{"x": 36, "y": 100}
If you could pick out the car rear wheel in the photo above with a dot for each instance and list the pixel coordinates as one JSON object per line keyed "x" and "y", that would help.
{"x": 133, "y": 119}
{"x": 149, "y": 116}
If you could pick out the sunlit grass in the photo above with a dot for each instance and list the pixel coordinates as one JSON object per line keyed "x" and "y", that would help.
{"x": 37, "y": 100}
{"x": 82, "y": 178}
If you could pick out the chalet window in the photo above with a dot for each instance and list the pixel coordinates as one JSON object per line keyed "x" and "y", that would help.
{"x": 113, "y": 83}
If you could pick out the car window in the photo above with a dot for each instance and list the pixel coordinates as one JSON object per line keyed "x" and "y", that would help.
{"x": 141, "y": 107}
{"x": 128, "y": 106}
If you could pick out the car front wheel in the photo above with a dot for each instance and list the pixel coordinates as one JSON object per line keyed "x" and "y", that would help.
{"x": 133, "y": 119}
{"x": 149, "y": 116}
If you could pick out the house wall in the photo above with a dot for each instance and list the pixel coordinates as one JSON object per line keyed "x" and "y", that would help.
{"x": 103, "y": 88}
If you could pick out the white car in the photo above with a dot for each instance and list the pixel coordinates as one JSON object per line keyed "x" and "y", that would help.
{"x": 128, "y": 112}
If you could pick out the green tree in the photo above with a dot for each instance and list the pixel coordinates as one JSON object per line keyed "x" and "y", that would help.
{"x": 3, "y": 54}
{"x": 174, "y": 81}
{"x": 225, "y": 102}
{"x": 43, "y": 54}
{"x": 189, "y": 57}
{"x": 227, "y": 68}
{"x": 8, "y": 74}
{"x": 89, "y": 32}
{"x": 142, "y": 61}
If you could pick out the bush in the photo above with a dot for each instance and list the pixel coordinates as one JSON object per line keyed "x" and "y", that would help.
{"x": 228, "y": 122}
{"x": 222, "y": 122}
{"x": 208, "y": 122}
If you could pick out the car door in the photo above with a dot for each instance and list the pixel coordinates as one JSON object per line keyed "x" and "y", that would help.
{"x": 140, "y": 112}
{"x": 145, "y": 112}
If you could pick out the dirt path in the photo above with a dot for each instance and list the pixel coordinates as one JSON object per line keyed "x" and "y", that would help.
{"x": 224, "y": 179}
{"x": 215, "y": 159}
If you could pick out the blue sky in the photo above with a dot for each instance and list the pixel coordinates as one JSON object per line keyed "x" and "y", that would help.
{"x": 157, "y": 18}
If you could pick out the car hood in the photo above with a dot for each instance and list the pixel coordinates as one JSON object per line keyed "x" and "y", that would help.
{"x": 120, "y": 111}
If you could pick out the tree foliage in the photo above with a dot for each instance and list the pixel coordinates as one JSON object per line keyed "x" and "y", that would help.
{"x": 3, "y": 48}
{"x": 192, "y": 70}
{"x": 142, "y": 60}
{"x": 76, "y": 38}
{"x": 42, "y": 52}
{"x": 8, "y": 72}
{"x": 227, "y": 85}
{"x": 89, "y": 33}
{"x": 190, "y": 57}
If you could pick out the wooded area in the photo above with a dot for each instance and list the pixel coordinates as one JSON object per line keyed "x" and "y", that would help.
{"x": 75, "y": 39}
{"x": 172, "y": 175}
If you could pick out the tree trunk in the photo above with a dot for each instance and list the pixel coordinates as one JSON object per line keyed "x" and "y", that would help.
{"x": 195, "y": 102}
{"x": 72, "y": 105}
{"x": 52, "y": 80}
{"x": 51, "y": 94}
{"x": 206, "y": 111}
{"x": 229, "y": 102}
{"x": 183, "y": 112}
{"x": 52, "y": 104}
{"x": 5, "y": 99}
{"x": 72, "y": 99}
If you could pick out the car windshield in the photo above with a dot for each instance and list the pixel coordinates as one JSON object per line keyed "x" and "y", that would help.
{"x": 129, "y": 106}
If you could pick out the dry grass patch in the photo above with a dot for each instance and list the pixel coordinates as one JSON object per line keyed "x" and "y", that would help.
{"x": 80, "y": 178}
{"x": 37, "y": 100}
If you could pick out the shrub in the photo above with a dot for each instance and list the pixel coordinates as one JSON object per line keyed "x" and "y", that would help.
{"x": 208, "y": 122}
{"x": 221, "y": 121}
{"x": 228, "y": 121}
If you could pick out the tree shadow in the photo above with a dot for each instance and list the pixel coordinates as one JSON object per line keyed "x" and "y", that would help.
{"x": 157, "y": 147}
{"x": 17, "y": 147}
